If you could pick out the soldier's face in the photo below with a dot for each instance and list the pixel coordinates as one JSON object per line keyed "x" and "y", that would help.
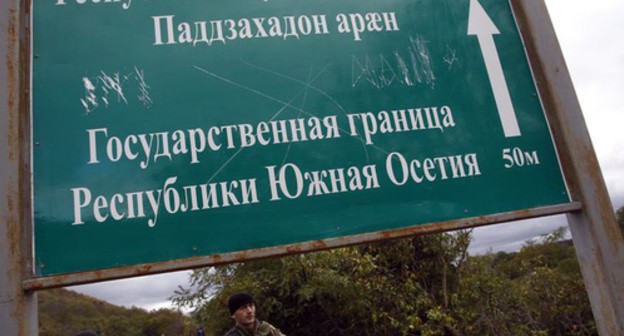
{"x": 245, "y": 315}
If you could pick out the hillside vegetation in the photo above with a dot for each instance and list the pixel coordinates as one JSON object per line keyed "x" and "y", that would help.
{"x": 64, "y": 313}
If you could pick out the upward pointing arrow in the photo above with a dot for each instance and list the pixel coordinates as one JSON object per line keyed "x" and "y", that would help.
{"x": 480, "y": 24}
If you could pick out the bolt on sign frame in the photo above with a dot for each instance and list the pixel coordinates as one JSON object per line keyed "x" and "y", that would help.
{"x": 167, "y": 137}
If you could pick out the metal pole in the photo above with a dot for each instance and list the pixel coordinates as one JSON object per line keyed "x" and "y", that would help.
{"x": 18, "y": 309}
{"x": 597, "y": 237}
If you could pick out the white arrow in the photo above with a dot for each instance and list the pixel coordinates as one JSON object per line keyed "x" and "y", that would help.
{"x": 480, "y": 24}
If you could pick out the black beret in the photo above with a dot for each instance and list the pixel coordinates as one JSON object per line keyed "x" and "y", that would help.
{"x": 238, "y": 300}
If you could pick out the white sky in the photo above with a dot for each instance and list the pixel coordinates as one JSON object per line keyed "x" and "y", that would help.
{"x": 591, "y": 35}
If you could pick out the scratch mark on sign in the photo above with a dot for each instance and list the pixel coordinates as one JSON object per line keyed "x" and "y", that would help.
{"x": 144, "y": 96}
{"x": 282, "y": 109}
{"x": 450, "y": 58}
{"x": 420, "y": 56}
{"x": 100, "y": 89}
{"x": 408, "y": 69}
{"x": 284, "y": 106}
{"x": 315, "y": 89}
{"x": 404, "y": 70}
{"x": 90, "y": 99}
{"x": 113, "y": 83}
{"x": 305, "y": 95}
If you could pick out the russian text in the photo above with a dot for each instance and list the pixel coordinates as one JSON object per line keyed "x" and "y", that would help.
{"x": 170, "y": 199}
{"x": 400, "y": 170}
{"x": 402, "y": 120}
{"x": 168, "y": 31}
{"x": 149, "y": 148}
{"x": 290, "y": 182}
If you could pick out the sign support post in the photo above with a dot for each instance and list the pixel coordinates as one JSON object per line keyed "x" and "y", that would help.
{"x": 18, "y": 308}
{"x": 597, "y": 237}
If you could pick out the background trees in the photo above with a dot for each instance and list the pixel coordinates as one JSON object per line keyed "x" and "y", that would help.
{"x": 537, "y": 291}
{"x": 390, "y": 288}
{"x": 419, "y": 286}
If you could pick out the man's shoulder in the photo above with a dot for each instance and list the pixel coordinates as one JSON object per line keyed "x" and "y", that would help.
{"x": 267, "y": 329}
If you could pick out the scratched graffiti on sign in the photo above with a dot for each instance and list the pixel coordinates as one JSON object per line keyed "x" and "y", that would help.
{"x": 105, "y": 89}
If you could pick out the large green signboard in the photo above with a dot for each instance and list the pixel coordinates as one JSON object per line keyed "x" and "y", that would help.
{"x": 165, "y": 130}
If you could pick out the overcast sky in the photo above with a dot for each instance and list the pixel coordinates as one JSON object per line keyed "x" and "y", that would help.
{"x": 590, "y": 34}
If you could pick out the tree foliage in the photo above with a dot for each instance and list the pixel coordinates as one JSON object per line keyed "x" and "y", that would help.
{"x": 537, "y": 291}
{"x": 418, "y": 286}
{"x": 63, "y": 312}
{"x": 401, "y": 287}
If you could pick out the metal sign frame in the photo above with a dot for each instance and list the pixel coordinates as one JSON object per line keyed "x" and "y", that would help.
{"x": 597, "y": 238}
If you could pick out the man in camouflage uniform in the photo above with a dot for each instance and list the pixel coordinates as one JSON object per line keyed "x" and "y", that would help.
{"x": 243, "y": 310}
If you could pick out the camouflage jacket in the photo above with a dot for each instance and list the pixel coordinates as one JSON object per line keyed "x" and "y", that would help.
{"x": 262, "y": 329}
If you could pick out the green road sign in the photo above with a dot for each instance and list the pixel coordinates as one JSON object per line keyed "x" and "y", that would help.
{"x": 167, "y": 130}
